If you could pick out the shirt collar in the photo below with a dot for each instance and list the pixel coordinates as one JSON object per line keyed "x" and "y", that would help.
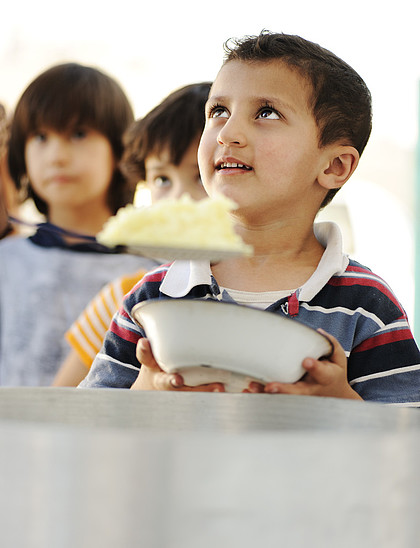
{"x": 49, "y": 235}
{"x": 182, "y": 276}
{"x": 333, "y": 261}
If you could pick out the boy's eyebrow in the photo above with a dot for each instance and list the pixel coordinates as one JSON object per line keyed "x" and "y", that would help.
{"x": 258, "y": 100}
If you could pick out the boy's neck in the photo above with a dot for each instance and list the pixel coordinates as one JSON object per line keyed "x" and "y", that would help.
{"x": 283, "y": 259}
{"x": 284, "y": 238}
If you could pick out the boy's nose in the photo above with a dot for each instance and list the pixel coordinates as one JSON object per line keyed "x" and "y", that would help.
{"x": 231, "y": 134}
{"x": 59, "y": 150}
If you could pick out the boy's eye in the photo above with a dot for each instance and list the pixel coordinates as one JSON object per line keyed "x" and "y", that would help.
{"x": 40, "y": 136}
{"x": 218, "y": 112}
{"x": 269, "y": 113}
{"x": 162, "y": 182}
{"x": 79, "y": 133}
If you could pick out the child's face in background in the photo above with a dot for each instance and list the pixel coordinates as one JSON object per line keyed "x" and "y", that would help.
{"x": 260, "y": 143}
{"x": 69, "y": 169}
{"x": 167, "y": 180}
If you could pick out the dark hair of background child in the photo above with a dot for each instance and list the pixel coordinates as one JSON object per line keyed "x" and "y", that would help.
{"x": 173, "y": 124}
{"x": 67, "y": 97}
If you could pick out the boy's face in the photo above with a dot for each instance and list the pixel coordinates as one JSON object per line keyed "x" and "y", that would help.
{"x": 167, "y": 180}
{"x": 260, "y": 143}
{"x": 71, "y": 168}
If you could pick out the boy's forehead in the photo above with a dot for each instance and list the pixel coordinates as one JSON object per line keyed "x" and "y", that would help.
{"x": 262, "y": 79}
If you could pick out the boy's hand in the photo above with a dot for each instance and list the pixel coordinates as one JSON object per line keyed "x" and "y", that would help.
{"x": 326, "y": 378}
{"x": 152, "y": 377}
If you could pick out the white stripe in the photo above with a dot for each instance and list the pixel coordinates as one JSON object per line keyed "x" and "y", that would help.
{"x": 130, "y": 326}
{"x": 83, "y": 343}
{"x": 88, "y": 333}
{"x": 400, "y": 324}
{"x": 108, "y": 299}
{"x": 103, "y": 312}
{"x": 389, "y": 373}
{"x": 109, "y": 359}
{"x": 343, "y": 310}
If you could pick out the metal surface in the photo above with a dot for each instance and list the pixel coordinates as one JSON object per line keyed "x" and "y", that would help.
{"x": 114, "y": 468}
{"x": 195, "y": 411}
{"x": 185, "y": 253}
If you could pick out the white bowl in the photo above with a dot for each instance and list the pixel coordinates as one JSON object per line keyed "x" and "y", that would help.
{"x": 211, "y": 341}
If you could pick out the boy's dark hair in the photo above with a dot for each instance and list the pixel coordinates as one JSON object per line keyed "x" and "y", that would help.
{"x": 66, "y": 97}
{"x": 341, "y": 102}
{"x": 173, "y": 124}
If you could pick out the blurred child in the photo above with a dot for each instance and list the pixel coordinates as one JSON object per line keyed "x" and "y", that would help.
{"x": 161, "y": 150}
{"x": 9, "y": 200}
{"x": 64, "y": 151}
{"x": 286, "y": 123}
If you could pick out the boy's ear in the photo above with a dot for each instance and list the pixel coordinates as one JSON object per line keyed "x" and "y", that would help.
{"x": 342, "y": 163}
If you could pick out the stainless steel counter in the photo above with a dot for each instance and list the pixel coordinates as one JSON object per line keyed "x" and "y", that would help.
{"x": 112, "y": 468}
{"x": 189, "y": 411}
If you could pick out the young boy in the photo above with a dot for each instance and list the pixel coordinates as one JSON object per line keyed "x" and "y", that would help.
{"x": 63, "y": 152}
{"x": 286, "y": 123}
{"x": 161, "y": 150}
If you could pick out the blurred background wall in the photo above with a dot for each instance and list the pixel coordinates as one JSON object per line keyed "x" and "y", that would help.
{"x": 154, "y": 48}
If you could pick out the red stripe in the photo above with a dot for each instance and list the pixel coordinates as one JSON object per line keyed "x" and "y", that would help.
{"x": 359, "y": 269}
{"x": 126, "y": 334}
{"x": 384, "y": 338}
{"x": 154, "y": 276}
{"x": 366, "y": 282}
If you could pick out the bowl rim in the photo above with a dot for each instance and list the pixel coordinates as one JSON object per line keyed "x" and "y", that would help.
{"x": 253, "y": 310}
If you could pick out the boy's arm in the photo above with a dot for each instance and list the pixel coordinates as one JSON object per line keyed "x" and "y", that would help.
{"x": 72, "y": 371}
{"x": 116, "y": 365}
{"x": 325, "y": 378}
{"x": 386, "y": 366}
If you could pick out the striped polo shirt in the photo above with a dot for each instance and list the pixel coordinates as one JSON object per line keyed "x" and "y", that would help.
{"x": 343, "y": 297}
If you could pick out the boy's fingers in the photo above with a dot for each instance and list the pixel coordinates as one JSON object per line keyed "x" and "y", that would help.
{"x": 254, "y": 388}
{"x": 213, "y": 387}
{"x": 319, "y": 371}
{"x": 145, "y": 355}
{"x": 165, "y": 381}
{"x": 296, "y": 389}
{"x": 338, "y": 355}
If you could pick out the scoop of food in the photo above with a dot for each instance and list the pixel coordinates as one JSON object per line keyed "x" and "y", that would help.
{"x": 177, "y": 229}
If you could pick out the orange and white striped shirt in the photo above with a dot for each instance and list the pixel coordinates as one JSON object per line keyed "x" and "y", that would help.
{"x": 87, "y": 333}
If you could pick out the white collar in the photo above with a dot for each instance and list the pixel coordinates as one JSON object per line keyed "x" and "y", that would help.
{"x": 333, "y": 260}
{"x": 182, "y": 276}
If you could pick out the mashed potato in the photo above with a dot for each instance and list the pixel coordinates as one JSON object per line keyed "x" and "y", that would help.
{"x": 183, "y": 223}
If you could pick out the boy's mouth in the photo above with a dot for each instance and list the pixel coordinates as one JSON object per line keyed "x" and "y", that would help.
{"x": 232, "y": 165}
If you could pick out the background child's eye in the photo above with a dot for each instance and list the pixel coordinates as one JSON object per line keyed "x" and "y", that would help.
{"x": 79, "y": 133}
{"x": 40, "y": 136}
{"x": 162, "y": 182}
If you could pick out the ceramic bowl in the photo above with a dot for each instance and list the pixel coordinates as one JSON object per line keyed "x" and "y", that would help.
{"x": 211, "y": 341}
